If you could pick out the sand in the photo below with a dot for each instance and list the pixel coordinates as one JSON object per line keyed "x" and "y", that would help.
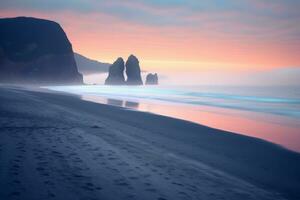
{"x": 57, "y": 146}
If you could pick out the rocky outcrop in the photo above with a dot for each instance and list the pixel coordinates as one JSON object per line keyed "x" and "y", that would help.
{"x": 116, "y": 73}
{"x": 133, "y": 71}
{"x": 151, "y": 79}
{"x": 36, "y": 51}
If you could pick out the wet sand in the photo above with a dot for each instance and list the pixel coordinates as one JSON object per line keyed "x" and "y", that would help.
{"x": 57, "y": 146}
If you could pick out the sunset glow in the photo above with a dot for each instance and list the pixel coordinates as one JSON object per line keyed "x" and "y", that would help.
{"x": 191, "y": 36}
{"x": 150, "y": 99}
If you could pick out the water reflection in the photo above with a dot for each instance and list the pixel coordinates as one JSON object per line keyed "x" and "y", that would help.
{"x": 131, "y": 104}
{"x": 115, "y": 102}
{"x": 277, "y": 129}
{"x": 122, "y": 103}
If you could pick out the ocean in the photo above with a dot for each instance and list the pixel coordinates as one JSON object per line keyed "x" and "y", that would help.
{"x": 268, "y": 113}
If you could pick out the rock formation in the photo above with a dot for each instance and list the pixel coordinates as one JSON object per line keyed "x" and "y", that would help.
{"x": 151, "y": 79}
{"x": 116, "y": 73}
{"x": 133, "y": 71}
{"x": 36, "y": 51}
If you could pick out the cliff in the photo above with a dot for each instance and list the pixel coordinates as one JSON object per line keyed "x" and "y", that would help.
{"x": 36, "y": 51}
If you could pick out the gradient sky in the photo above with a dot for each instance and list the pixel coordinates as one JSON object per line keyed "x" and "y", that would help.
{"x": 183, "y": 35}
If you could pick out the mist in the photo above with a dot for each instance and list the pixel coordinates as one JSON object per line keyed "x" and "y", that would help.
{"x": 275, "y": 77}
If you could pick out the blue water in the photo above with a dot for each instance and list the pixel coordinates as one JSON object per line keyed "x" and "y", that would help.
{"x": 284, "y": 101}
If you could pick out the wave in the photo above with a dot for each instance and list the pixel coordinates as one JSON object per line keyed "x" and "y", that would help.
{"x": 262, "y": 101}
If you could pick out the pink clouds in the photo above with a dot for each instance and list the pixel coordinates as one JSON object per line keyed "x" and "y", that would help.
{"x": 204, "y": 40}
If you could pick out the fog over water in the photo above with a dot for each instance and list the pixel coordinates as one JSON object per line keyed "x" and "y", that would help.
{"x": 278, "y": 77}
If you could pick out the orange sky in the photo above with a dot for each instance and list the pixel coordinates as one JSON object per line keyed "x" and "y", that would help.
{"x": 185, "y": 42}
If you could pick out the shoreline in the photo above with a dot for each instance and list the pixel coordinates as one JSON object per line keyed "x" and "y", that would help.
{"x": 279, "y": 129}
{"x": 226, "y": 164}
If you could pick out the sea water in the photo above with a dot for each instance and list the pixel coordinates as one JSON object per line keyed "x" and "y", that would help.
{"x": 269, "y": 113}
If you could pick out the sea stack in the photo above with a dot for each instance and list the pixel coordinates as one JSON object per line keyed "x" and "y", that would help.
{"x": 36, "y": 51}
{"x": 116, "y": 73}
{"x": 133, "y": 71}
{"x": 151, "y": 79}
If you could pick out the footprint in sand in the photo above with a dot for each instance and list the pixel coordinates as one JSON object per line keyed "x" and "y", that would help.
{"x": 133, "y": 177}
{"x": 51, "y": 195}
{"x": 121, "y": 182}
{"x": 15, "y": 173}
{"x": 112, "y": 158}
{"x": 77, "y": 160}
{"x": 57, "y": 154}
{"x": 151, "y": 190}
{"x": 47, "y": 182}
{"x": 178, "y": 184}
{"x": 45, "y": 174}
{"x": 16, "y": 181}
{"x": 98, "y": 188}
{"x": 161, "y": 198}
{"x": 192, "y": 188}
{"x": 147, "y": 184}
{"x": 15, "y": 193}
{"x": 40, "y": 169}
{"x": 85, "y": 187}
{"x": 182, "y": 193}
{"x": 43, "y": 163}
{"x": 122, "y": 164}
{"x": 100, "y": 155}
{"x": 89, "y": 184}
{"x": 15, "y": 167}
{"x": 97, "y": 127}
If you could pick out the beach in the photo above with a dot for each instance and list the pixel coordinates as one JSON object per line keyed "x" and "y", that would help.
{"x": 274, "y": 111}
{"x": 54, "y": 145}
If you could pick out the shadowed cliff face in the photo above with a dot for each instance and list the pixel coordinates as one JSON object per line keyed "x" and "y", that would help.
{"x": 116, "y": 73}
{"x": 133, "y": 71}
{"x": 36, "y": 51}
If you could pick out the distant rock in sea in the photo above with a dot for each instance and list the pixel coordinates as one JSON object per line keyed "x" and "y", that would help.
{"x": 133, "y": 71}
{"x": 36, "y": 51}
{"x": 151, "y": 79}
{"x": 116, "y": 73}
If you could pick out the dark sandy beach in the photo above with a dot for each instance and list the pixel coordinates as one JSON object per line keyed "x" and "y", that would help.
{"x": 57, "y": 146}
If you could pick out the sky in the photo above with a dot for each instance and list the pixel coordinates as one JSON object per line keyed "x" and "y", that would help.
{"x": 184, "y": 36}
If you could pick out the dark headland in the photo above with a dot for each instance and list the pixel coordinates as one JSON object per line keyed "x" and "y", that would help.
{"x": 36, "y": 51}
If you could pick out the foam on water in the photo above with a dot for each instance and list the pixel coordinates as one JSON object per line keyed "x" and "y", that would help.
{"x": 269, "y": 113}
{"x": 278, "y": 101}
